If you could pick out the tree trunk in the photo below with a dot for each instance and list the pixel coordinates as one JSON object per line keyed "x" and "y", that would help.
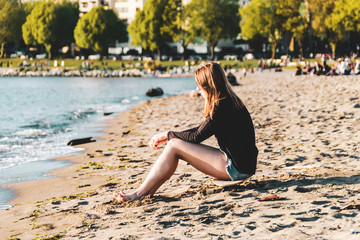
{"x": 301, "y": 47}
{"x": 333, "y": 48}
{"x": 48, "y": 50}
{"x": 159, "y": 53}
{"x": 184, "y": 56}
{"x": 273, "y": 49}
{"x": 212, "y": 51}
{"x": 2, "y": 50}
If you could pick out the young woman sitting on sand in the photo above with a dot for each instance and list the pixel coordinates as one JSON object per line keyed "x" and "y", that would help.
{"x": 227, "y": 118}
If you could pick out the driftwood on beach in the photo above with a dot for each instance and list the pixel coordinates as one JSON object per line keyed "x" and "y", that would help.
{"x": 80, "y": 141}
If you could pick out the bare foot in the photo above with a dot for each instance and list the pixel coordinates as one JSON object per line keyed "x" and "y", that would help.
{"x": 121, "y": 196}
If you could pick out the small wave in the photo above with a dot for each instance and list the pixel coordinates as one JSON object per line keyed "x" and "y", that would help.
{"x": 31, "y": 133}
{"x": 4, "y": 148}
{"x": 82, "y": 114}
{"x": 5, "y": 139}
{"x": 125, "y": 100}
{"x": 45, "y": 123}
{"x": 3, "y": 207}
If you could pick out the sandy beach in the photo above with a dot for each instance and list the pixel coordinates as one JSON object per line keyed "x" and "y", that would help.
{"x": 308, "y": 136}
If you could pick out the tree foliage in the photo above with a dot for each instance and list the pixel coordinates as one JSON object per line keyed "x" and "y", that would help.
{"x": 155, "y": 25}
{"x": 212, "y": 20}
{"x": 99, "y": 28}
{"x": 30, "y": 5}
{"x": 172, "y": 18}
{"x": 12, "y": 17}
{"x": 327, "y": 23}
{"x": 50, "y": 24}
{"x": 176, "y": 24}
{"x": 275, "y": 19}
{"x": 294, "y": 17}
{"x": 346, "y": 14}
{"x": 264, "y": 18}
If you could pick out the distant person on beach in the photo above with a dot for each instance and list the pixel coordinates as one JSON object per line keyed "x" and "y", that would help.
{"x": 232, "y": 79}
{"x": 318, "y": 69}
{"x": 299, "y": 71}
{"x": 357, "y": 68}
{"x": 227, "y": 118}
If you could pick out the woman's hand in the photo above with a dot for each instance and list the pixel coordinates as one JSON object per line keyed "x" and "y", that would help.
{"x": 158, "y": 139}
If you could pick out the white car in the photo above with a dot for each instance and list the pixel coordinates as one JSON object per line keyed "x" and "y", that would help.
{"x": 94, "y": 57}
{"x": 40, "y": 56}
{"x": 230, "y": 57}
{"x": 249, "y": 56}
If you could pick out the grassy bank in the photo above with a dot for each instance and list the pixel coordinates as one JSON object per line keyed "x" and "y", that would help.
{"x": 108, "y": 64}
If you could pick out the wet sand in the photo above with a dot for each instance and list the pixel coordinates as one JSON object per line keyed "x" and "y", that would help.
{"x": 308, "y": 132}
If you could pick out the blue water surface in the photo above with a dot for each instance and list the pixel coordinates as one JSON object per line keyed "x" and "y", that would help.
{"x": 39, "y": 115}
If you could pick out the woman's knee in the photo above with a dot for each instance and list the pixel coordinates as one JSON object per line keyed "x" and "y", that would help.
{"x": 174, "y": 143}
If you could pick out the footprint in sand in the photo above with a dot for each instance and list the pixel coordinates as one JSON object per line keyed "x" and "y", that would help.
{"x": 251, "y": 225}
{"x": 320, "y": 202}
{"x": 308, "y": 219}
{"x": 278, "y": 227}
{"x": 342, "y": 215}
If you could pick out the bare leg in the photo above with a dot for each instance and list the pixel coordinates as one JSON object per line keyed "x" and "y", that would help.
{"x": 206, "y": 159}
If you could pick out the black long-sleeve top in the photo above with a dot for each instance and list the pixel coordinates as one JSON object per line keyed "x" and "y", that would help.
{"x": 234, "y": 131}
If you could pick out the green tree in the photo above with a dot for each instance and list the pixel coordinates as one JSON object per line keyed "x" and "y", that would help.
{"x": 212, "y": 20}
{"x": 324, "y": 25}
{"x": 155, "y": 25}
{"x": 172, "y": 18}
{"x": 176, "y": 24}
{"x": 294, "y": 17}
{"x": 12, "y": 17}
{"x": 349, "y": 14}
{"x": 261, "y": 17}
{"x": 30, "y": 5}
{"x": 51, "y": 24}
{"x": 97, "y": 29}
{"x": 67, "y": 16}
{"x": 346, "y": 14}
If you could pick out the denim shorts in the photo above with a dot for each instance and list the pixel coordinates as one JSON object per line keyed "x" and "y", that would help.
{"x": 234, "y": 174}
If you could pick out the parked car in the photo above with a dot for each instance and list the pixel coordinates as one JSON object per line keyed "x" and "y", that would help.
{"x": 94, "y": 57}
{"x": 326, "y": 55}
{"x": 249, "y": 56}
{"x": 19, "y": 53}
{"x": 230, "y": 57}
{"x": 128, "y": 57}
{"x": 195, "y": 57}
{"x": 165, "y": 57}
{"x": 40, "y": 56}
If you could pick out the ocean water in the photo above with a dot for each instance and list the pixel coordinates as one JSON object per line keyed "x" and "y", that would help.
{"x": 39, "y": 115}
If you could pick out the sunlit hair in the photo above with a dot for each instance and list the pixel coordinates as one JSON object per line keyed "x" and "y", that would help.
{"x": 211, "y": 78}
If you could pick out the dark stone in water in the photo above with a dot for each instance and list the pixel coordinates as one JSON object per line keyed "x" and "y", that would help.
{"x": 107, "y": 113}
{"x": 80, "y": 141}
{"x": 153, "y": 92}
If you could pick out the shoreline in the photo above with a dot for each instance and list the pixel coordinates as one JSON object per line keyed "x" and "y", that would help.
{"x": 58, "y": 72}
{"x": 307, "y": 155}
{"x": 45, "y": 174}
{"x": 25, "y": 194}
